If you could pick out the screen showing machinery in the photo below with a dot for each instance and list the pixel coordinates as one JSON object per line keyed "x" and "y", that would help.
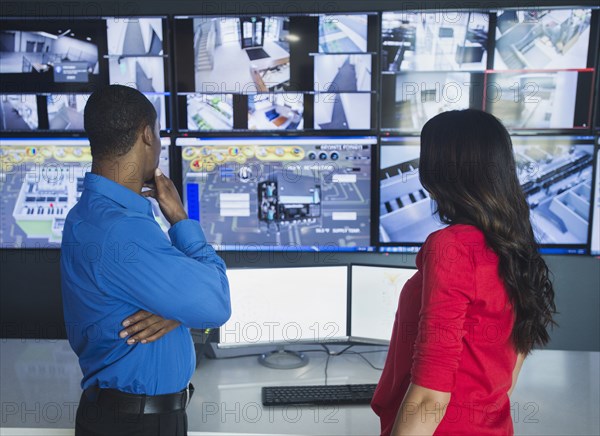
{"x": 555, "y": 173}
{"x": 40, "y": 181}
{"x": 300, "y": 193}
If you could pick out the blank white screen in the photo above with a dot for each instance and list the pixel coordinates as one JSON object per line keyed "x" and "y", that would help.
{"x": 375, "y": 293}
{"x": 286, "y": 305}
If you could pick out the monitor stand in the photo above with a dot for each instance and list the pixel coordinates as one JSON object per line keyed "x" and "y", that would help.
{"x": 283, "y": 359}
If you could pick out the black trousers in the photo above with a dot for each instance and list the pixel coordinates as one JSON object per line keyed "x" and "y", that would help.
{"x": 95, "y": 420}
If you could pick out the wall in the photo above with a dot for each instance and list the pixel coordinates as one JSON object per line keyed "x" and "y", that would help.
{"x": 31, "y": 305}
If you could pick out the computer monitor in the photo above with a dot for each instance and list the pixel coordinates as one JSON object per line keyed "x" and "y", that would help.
{"x": 48, "y": 68}
{"x": 374, "y": 295}
{"x": 410, "y": 99}
{"x": 52, "y": 55}
{"x": 541, "y": 100}
{"x": 405, "y": 208}
{"x": 431, "y": 63}
{"x": 284, "y": 306}
{"x": 595, "y": 230}
{"x": 41, "y": 179}
{"x": 280, "y": 193}
{"x": 542, "y": 39}
{"x": 555, "y": 173}
{"x": 434, "y": 41}
{"x": 292, "y": 72}
{"x": 542, "y": 75}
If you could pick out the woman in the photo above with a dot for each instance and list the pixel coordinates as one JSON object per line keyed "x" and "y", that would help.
{"x": 482, "y": 297}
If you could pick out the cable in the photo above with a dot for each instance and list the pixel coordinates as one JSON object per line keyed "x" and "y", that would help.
{"x": 326, "y": 365}
{"x": 344, "y": 350}
{"x": 330, "y": 354}
{"x": 368, "y": 361}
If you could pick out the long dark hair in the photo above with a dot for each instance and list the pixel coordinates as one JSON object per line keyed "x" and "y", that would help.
{"x": 468, "y": 166}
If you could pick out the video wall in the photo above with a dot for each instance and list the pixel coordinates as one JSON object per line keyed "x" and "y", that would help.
{"x": 301, "y": 132}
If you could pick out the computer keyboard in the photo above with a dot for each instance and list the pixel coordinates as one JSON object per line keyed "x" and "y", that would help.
{"x": 319, "y": 394}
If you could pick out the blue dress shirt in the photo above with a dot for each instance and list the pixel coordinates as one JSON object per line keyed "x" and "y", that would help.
{"x": 116, "y": 260}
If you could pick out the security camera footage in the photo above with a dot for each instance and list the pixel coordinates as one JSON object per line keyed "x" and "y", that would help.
{"x": 442, "y": 41}
{"x": 37, "y": 54}
{"x": 409, "y": 100}
{"x": 276, "y": 111}
{"x": 261, "y": 60}
{"x": 49, "y": 67}
{"x": 209, "y": 112}
{"x": 343, "y": 33}
{"x": 555, "y": 174}
{"x": 135, "y": 36}
{"x": 542, "y": 39}
{"x": 40, "y": 181}
{"x": 280, "y": 193}
{"x": 18, "y": 112}
{"x": 259, "y": 47}
{"x": 342, "y": 73}
{"x": 146, "y": 74}
{"x": 405, "y": 207}
{"x": 541, "y": 100}
{"x": 65, "y": 111}
{"x": 344, "y": 111}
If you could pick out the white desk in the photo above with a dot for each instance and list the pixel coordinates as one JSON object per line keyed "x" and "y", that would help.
{"x": 558, "y": 394}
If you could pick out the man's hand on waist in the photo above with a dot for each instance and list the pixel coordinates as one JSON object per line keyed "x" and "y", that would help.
{"x": 145, "y": 327}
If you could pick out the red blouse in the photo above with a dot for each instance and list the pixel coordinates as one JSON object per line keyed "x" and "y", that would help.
{"x": 453, "y": 334}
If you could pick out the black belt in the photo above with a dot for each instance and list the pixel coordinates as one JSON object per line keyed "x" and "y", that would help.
{"x": 135, "y": 404}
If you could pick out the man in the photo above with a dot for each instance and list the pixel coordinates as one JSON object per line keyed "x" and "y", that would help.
{"x": 116, "y": 261}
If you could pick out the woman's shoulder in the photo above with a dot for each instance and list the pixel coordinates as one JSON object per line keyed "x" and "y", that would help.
{"x": 459, "y": 242}
{"x": 457, "y": 233}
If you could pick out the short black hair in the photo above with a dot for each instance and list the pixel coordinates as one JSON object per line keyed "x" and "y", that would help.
{"x": 113, "y": 118}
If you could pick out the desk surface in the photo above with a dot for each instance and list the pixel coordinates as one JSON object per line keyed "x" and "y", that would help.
{"x": 558, "y": 394}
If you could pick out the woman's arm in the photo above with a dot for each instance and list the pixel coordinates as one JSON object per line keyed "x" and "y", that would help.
{"x": 421, "y": 411}
{"x": 515, "y": 375}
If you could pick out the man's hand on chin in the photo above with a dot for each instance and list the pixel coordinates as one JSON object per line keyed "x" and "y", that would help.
{"x": 145, "y": 327}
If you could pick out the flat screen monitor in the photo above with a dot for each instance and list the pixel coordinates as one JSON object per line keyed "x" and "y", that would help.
{"x": 280, "y": 193}
{"x": 431, "y": 62}
{"x": 48, "y": 68}
{"x": 595, "y": 231}
{"x": 410, "y": 99}
{"x": 286, "y": 306}
{"x": 434, "y": 41}
{"x": 543, "y": 39}
{"x": 542, "y": 75}
{"x": 311, "y": 72}
{"x": 541, "y": 100}
{"x": 405, "y": 208}
{"x": 555, "y": 173}
{"x": 41, "y": 179}
{"x": 374, "y": 295}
